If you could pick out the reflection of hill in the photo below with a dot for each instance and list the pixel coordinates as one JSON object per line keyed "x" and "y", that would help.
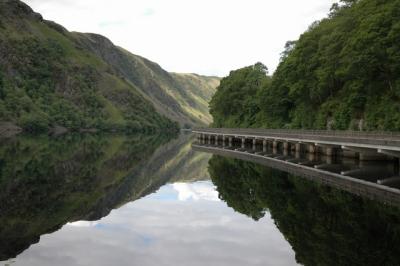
{"x": 324, "y": 226}
{"x": 181, "y": 163}
{"x": 47, "y": 182}
{"x": 172, "y": 162}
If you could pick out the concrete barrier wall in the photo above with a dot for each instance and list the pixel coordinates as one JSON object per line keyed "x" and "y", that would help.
{"x": 387, "y": 139}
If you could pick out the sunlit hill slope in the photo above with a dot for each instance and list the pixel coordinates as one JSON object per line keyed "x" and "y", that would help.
{"x": 52, "y": 77}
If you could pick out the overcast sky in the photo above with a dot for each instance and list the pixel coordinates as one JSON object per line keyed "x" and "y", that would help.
{"x": 208, "y": 37}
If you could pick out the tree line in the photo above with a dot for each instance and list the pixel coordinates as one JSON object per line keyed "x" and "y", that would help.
{"x": 342, "y": 73}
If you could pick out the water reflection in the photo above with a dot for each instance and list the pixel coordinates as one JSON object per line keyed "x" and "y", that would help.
{"x": 383, "y": 172}
{"x": 46, "y": 182}
{"x": 324, "y": 226}
{"x": 150, "y": 200}
{"x": 166, "y": 228}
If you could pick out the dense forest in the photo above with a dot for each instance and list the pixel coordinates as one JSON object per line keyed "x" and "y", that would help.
{"x": 342, "y": 73}
{"x": 324, "y": 226}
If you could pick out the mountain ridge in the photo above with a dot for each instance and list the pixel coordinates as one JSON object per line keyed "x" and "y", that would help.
{"x": 82, "y": 80}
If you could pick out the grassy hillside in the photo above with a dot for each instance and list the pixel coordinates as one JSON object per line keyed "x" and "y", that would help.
{"x": 198, "y": 93}
{"x": 343, "y": 73}
{"x": 181, "y": 97}
{"x": 177, "y": 162}
{"x": 51, "y": 77}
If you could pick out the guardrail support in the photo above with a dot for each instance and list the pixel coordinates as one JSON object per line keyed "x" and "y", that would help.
{"x": 285, "y": 148}
{"x": 311, "y": 148}
{"x": 275, "y": 147}
{"x": 264, "y": 145}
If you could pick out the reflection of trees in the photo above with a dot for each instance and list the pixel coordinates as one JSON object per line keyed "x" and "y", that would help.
{"x": 46, "y": 182}
{"x": 325, "y": 226}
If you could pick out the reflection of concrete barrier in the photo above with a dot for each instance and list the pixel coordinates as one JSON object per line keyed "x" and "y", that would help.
{"x": 355, "y": 186}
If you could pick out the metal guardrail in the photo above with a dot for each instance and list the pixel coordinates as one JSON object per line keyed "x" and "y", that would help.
{"x": 328, "y": 133}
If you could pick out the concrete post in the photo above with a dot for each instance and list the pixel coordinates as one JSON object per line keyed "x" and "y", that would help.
{"x": 223, "y": 141}
{"x": 285, "y": 148}
{"x": 230, "y": 142}
{"x": 298, "y": 147}
{"x": 254, "y": 144}
{"x": 329, "y": 151}
{"x": 265, "y": 145}
{"x": 243, "y": 143}
{"x": 275, "y": 147}
{"x": 297, "y": 150}
{"x": 286, "y": 145}
{"x": 312, "y": 149}
{"x": 209, "y": 139}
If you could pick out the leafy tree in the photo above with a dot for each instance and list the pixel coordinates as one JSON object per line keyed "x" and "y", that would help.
{"x": 34, "y": 123}
{"x": 234, "y": 103}
{"x": 341, "y": 73}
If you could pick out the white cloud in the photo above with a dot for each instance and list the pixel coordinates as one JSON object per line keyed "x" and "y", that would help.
{"x": 207, "y": 37}
{"x": 83, "y": 224}
{"x": 196, "y": 191}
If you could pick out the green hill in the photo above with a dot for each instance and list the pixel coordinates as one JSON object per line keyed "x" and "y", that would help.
{"x": 343, "y": 73}
{"x": 181, "y": 97}
{"x": 51, "y": 77}
{"x": 198, "y": 93}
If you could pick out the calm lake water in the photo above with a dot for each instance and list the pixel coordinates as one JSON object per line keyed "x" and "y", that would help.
{"x": 152, "y": 200}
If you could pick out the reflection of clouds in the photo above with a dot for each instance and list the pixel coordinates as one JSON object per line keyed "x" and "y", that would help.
{"x": 196, "y": 191}
{"x": 151, "y": 232}
{"x": 83, "y": 224}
